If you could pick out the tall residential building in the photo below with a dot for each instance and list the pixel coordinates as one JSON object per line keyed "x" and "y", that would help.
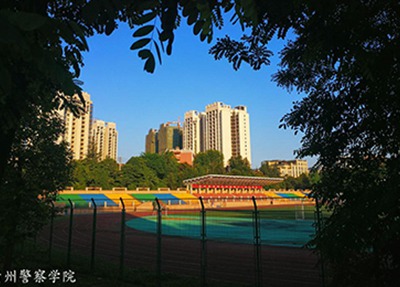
{"x": 292, "y": 168}
{"x": 218, "y": 132}
{"x": 77, "y": 129}
{"x": 167, "y": 138}
{"x": 105, "y": 139}
{"x": 193, "y": 132}
{"x": 240, "y": 132}
{"x": 219, "y": 128}
{"x": 112, "y": 140}
{"x": 152, "y": 141}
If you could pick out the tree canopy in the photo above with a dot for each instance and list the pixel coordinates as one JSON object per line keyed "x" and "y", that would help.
{"x": 91, "y": 172}
{"x": 38, "y": 167}
{"x": 209, "y": 162}
{"x": 239, "y": 166}
{"x": 344, "y": 56}
{"x": 271, "y": 171}
{"x": 345, "y": 59}
{"x": 41, "y": 44}
{"x": 155, "y": 170}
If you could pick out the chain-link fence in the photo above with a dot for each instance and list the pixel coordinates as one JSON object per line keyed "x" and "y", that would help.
{"x": 246, "y": 240}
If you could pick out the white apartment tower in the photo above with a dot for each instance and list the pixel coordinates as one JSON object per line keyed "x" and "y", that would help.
{"x": 193, "y": 133}
{"x": 240, "y": 132}
{"x": 111, "y": 140}
{"x": 219, "y": 128}
{"x": 77, "y": 129}
{"x": 105, "y": 139}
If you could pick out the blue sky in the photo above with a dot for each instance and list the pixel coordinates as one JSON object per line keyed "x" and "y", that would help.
{"x": 188, "y": 80}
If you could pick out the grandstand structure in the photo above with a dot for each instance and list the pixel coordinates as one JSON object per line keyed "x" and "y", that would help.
{"x": 218, "y": 183}
{"x": 217, "y": 191}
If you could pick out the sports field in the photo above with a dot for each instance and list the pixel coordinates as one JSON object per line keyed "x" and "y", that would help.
{"x": 286, "y": 226}
{"x": 230, "y": 256}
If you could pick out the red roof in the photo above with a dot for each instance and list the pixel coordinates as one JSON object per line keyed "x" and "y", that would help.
{"x": 233, "y": 181}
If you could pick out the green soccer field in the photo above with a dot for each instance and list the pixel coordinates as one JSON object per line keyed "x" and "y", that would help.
{"x": 286, "y": 212}
{"x": 286, "y": 226}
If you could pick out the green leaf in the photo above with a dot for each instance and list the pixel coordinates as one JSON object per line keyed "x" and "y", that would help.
{"x": 204, "y": 10}
{"x": 144, "y": 54}
{"x": 140, "y": 43}
{"x": 163, "y": 36}
{"x": 9, "y": 34}
{"x": 65, "y": 31}
{"x": 197, "y": 27}
{"x": 147, "y": 4}
{"x": 143, "y": 31}
{"x": 206, "y": 27}
{"x": 192, "y": 17}
{"x": 169, "y": 46}
{"x": 110, "y": 27}
{"x": 188, "y": 7}
{"x": 79, "y": 32}
{"x": 27, "y": 21}
{"x": 150, "y": 64}
{"x": 145, "y": 18}
{"x": 209, "y": 38}
{"x": 202, "y": 37}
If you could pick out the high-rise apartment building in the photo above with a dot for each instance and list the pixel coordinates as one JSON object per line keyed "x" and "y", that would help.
{"x": 193, "y": 131}
{"x": 82, "y": 133}
{"x": 240, "y": 133}
{"x": 219, "y": 128}
{"x": 152, "y": 141}
{"x": 168, "y": 137}
{"x": 292, "y": 168}
{"x": 218, "y": 132}
{"x": 112, "y": 140}
{"x": 77, "y": 129}
{"x": 105, "y": 139}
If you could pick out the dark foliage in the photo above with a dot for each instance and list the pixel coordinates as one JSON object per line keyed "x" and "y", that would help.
{"x": 38, "y": 167}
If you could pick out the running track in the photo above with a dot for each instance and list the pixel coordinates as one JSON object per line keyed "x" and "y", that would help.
{"x": 231, "y": 262}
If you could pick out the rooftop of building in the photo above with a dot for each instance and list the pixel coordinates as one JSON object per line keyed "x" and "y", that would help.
{"x": 219, "y": 179}
{"x": 171, "y": 124}
{"x": 283, "y": 161}
{"x": 218, "y": 104}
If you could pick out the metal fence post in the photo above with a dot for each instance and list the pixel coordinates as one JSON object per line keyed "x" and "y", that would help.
{"x": 71, "y": 216}
{"x": 203, "y": 263}
{"x": 159, "y": 233}
{"x": 257, "y": 243}
{"x": 122, "y": 242}
{"x": 318, "y": 229}
{"x": 93, "y": 235}
{"x": 51, "y": 230}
